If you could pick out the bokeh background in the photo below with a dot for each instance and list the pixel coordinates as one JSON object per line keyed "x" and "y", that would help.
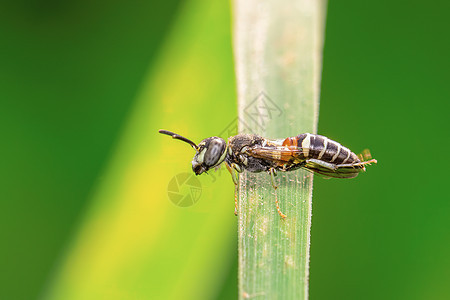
{"x": 84, "y": 209}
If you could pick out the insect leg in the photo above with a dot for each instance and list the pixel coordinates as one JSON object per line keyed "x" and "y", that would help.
{"x": 362, "y": 163}
{"x": 322, "y": 164}
{"x": 365, "y": 155}
{"x": 233, "y": 175}
{"x": 235, "y": 180}
{"x": 273, "y": 173}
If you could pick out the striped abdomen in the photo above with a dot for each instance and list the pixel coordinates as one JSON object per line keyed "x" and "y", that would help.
{"x": 321, "y": 148}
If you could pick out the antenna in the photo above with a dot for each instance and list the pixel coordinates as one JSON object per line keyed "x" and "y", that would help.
{"x": 179, "y": 137}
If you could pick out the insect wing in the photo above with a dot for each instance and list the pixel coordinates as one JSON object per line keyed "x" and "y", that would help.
{"x": 281, "y": 155}
{"x": 290, "y": 156}
{"x": 340, "y": 172}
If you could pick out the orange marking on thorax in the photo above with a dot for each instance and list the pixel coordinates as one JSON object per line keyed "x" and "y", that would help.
{"x": 290, "y": 143}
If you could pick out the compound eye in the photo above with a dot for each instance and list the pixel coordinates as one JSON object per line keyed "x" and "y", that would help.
{"x": 214, "y": 152}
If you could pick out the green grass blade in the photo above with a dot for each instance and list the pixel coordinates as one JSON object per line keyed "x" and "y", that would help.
{"x": 278, "y": 46}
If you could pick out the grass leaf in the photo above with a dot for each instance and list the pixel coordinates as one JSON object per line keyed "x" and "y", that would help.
{"x": 278, "y": 46}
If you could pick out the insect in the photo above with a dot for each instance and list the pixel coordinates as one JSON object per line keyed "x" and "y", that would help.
{"x": 253, "y": 153}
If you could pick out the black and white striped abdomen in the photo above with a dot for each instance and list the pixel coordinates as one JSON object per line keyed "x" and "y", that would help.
{"x": 322, "y": 148}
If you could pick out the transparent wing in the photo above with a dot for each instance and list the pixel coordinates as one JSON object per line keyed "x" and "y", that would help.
{"x": 278, "y": 154}
{"x": 294, "y": 156}
{"x": 338, "y": 172}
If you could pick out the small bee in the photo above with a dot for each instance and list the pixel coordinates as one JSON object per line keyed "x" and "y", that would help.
{"x": 255, "y": 154}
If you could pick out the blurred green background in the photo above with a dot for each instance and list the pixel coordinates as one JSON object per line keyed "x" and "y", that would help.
{"x": 84, "y": 211}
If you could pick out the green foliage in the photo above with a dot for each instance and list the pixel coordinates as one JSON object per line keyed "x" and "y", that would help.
{"x": 84, "y": 211}
{"x": 133, "y": 242}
